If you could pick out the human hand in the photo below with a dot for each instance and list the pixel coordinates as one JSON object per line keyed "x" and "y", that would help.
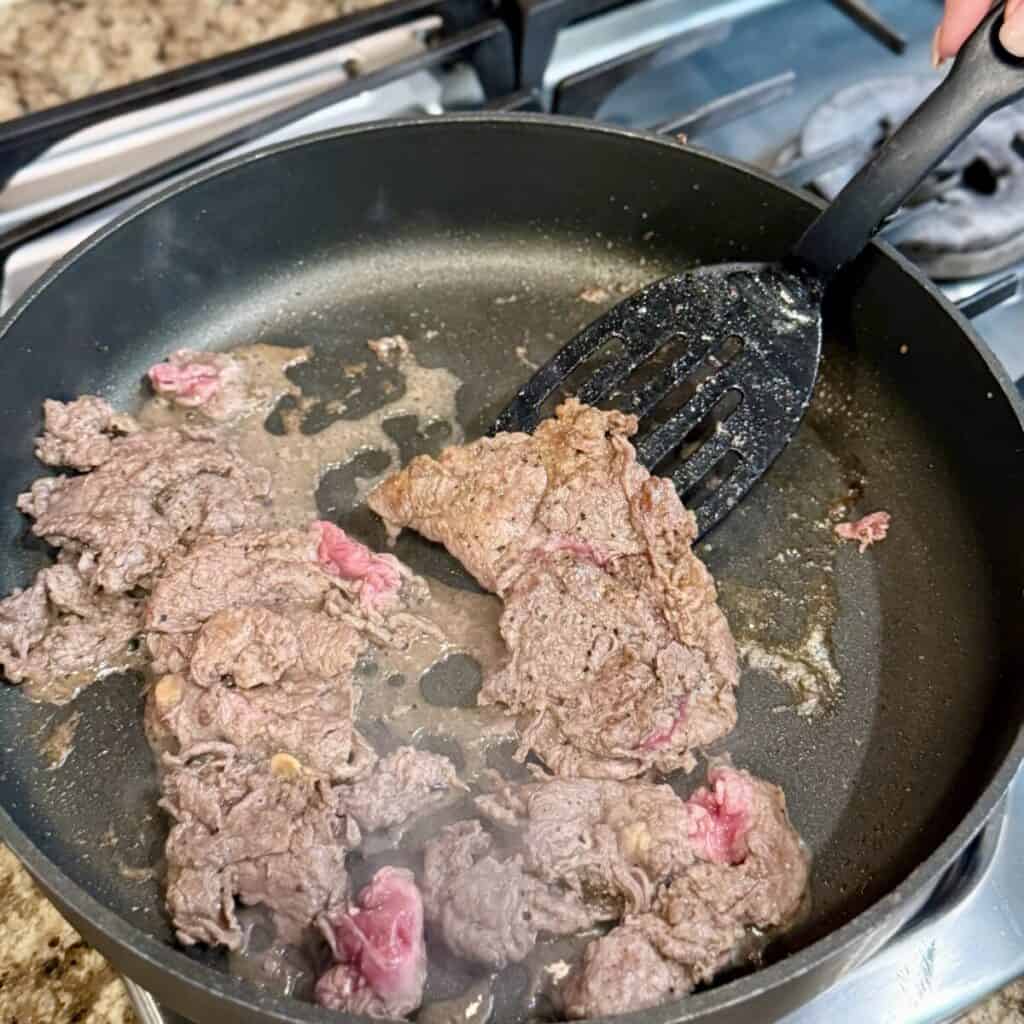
{"x": 961, "y": 19}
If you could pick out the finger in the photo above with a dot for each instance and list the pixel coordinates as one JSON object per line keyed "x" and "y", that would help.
{"x": 1011, "y": 35}
{"x": 960, "y": 20}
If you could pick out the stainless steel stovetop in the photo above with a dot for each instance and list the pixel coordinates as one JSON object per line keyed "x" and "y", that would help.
{"x": 740, "y": 77}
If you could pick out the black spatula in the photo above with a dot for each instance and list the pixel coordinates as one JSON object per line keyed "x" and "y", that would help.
{"x": 719, "y": 363}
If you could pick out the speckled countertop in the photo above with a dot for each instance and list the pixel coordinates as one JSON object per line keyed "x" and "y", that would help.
{"x": 47, "y": 973}
{"x": 57, "y": 50}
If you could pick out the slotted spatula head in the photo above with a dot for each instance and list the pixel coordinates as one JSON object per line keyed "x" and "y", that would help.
{"x": 719, "y": 363}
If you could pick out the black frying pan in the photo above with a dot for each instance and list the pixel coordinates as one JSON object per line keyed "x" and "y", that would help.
{"x": 398, "y": 228}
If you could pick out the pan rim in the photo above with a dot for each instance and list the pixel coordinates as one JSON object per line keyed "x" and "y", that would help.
{"x": 138, "y": 945}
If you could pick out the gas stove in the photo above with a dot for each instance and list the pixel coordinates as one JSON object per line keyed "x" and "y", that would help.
{"x": 800, "y": 88}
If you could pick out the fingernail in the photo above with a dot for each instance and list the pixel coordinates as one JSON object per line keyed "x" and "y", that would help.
{"x": 1011, "y": 35}
{"x": 937, "y": 57}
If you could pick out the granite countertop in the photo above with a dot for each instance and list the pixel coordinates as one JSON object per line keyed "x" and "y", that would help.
{"x": 52, "y": 51}
{"x": 48, "y": 974}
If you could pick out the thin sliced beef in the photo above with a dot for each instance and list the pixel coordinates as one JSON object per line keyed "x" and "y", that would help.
{"x": 277, "y": 569}
{"x": 610, "y": 842}
{"x": 867, "y": 530}
{"x": 252, "y": 568}
{"x": 80, "y": 434}
{"x": 608, "y": 687}
{"x": 495, "y": 500}
{"x": 404, "y": 784}
{"x": 157, "y": 492}
{"x": 619, "y": 654}
{"x": 244, "y": 830}
{"x": 212, "y": 382}
{"x": 61, "y": 632}
{"x": 567, "y": 854}
{"x": 751, "y": 872}
{"x": 487, "y": 907}
{"x": 622, "y": 972}
{"x": 380, "y": 956}
{"x": 268, "y": 683}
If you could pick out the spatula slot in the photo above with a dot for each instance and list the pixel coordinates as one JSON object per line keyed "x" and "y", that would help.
{"x": 713, "y": 480}
{"x": 703, "y": 443}
{"x": 711, "y": 423}
{"x": 588, "y": 371}
{"x": 677, "y": 390}
{"x": 673, "y": 348}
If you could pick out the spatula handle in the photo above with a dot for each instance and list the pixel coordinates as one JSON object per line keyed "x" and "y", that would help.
{"x": 983, "y": 78}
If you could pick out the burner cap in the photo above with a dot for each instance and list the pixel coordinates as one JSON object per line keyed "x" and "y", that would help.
{"x": 967, "y": 217}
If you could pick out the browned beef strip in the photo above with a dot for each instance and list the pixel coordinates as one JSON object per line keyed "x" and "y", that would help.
{"x": 404, "y": 784}
{"x": 623, "y": 972}
{"x": 267, "y": 683}
{"x": 608, "y": 686}
{"x": 699, "y": 920}
{"x": 155, "y": 493}
{"x": 493, "y": 501}
{"x": 243, "y": 831}
{"x": 80, "y": 434}
{"x": 687, "y": 877}
{"x": 619, "y": 653}
{"x": 272, "y": 569}
{"x": 609, "y": 842}
{"x": 264, "y": 640}
{"x": 255, "y": 568}
{"x": 488, "y": 909}
{"x": 62, "y": 628}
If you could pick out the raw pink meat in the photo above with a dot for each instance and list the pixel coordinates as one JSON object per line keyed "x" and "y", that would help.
{"x": 662, "y": 737}
{"x": 186, "y": 378}
{"x": 721, "y": 817}
{"x": 382, "y": 959}
{"x": 582, "y": 550}
{"x": 379, "y": 575}
{"x": 873, "y": 527}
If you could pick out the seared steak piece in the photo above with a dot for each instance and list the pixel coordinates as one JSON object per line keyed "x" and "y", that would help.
{"x": 62, "y": 627}
{"x": 257, "y": 636}
{"x": 622, "y": 972}
{"x": 244, "y": 828}
{"x": 751, "y": 872}
{"x": 268, "y": 683}
{"x": 80, "y": 434}
{"x": 213, "y": 382}
{"x": 492, "y": 502}
{"x": 145, "y": 496}
{"x": 406, "y": 783}
{"x": 379, "y": 952}
{"x": 155, "y": 493}
{"x": 619, "y": 654}
{"x": 489, "y": 909}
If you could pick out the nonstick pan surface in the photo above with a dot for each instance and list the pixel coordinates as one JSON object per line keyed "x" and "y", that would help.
{"x": 474, "y": 237}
